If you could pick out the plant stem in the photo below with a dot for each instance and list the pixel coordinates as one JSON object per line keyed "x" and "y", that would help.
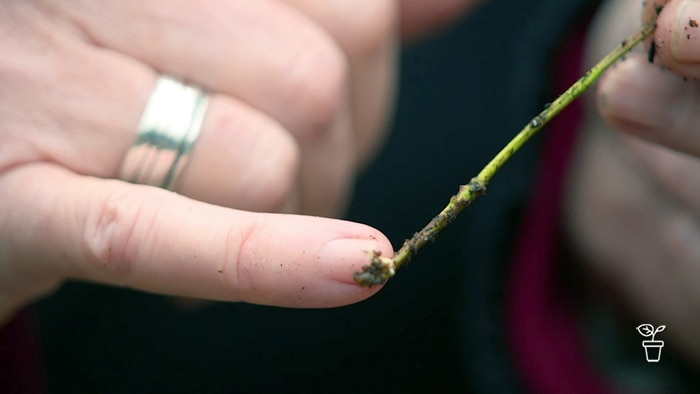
{"x": 381, "y": 268}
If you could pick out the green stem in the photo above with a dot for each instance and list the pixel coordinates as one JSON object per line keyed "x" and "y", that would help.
{"x": 381, "y": 268}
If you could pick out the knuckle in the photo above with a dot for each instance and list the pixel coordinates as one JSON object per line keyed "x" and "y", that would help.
{"x": 240, "y": 253}
{"x": 317, "y": 78}
{"x": 108, "y": 236}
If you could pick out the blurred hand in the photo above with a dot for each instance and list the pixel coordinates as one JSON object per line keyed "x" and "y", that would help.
{"x": 301, "y": 91}
{"x": 634, "y": 191}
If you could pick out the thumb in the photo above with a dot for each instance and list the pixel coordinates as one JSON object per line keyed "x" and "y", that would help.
{"x": 155, "y": 240}
{"x": 677, "y": 36}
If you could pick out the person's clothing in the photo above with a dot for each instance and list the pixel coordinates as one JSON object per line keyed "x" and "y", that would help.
{"x": 480, "y": 310}
{"x": 20, "y": 369}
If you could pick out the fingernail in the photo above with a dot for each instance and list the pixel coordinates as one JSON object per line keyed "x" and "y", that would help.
{"x": 339, "y": 259}
{"x": 685, "y": 41}
{"x": 643, "y": 98}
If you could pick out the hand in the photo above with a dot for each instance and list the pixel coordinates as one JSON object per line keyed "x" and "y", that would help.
{"x": 300, "y": 95}
{"x": 633, "y": 205}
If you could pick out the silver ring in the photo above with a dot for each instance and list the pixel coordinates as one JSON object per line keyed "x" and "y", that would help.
{"x": 169, "y": 127}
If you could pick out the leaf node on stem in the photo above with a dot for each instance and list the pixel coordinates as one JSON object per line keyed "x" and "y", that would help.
{"x": 381, "y": 269}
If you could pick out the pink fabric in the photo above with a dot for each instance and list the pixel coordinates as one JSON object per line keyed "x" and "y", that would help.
{"x": 20, "y": 372}
{"x": 546, "y": 340}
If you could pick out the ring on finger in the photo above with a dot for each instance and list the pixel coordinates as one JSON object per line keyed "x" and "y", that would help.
{"x": 169, "y": 128}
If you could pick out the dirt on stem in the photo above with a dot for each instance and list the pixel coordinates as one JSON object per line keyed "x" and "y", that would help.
{"x": 380, "y": 269}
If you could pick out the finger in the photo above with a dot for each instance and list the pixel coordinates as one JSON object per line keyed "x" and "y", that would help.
{"x": 264, "y": 53}
{"x": 677, "y": 174}
{"x": 367, "y": 32}
{"x": 261, "y": 52}
{"x": 242, "y": 160}
{"x": 419, "y": 17}
{"x": 677, "y": 36}
{"x": 652, "y": 9}
{"x": 67, "y": 105}
{"x": 154, "y": 240}
{"x": 655, "y": 104}
{"x": 79, "y": 106}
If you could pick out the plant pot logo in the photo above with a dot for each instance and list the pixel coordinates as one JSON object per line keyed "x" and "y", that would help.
{"x": 652, "y": 348}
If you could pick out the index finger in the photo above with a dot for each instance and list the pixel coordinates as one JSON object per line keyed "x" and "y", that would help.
{"x": 154, "y": 240}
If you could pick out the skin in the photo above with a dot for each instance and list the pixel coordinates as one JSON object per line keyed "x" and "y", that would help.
{"x": 633, "y": 202}
{"x": 420, "y": 17}
{"x": 301, "y": 94}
